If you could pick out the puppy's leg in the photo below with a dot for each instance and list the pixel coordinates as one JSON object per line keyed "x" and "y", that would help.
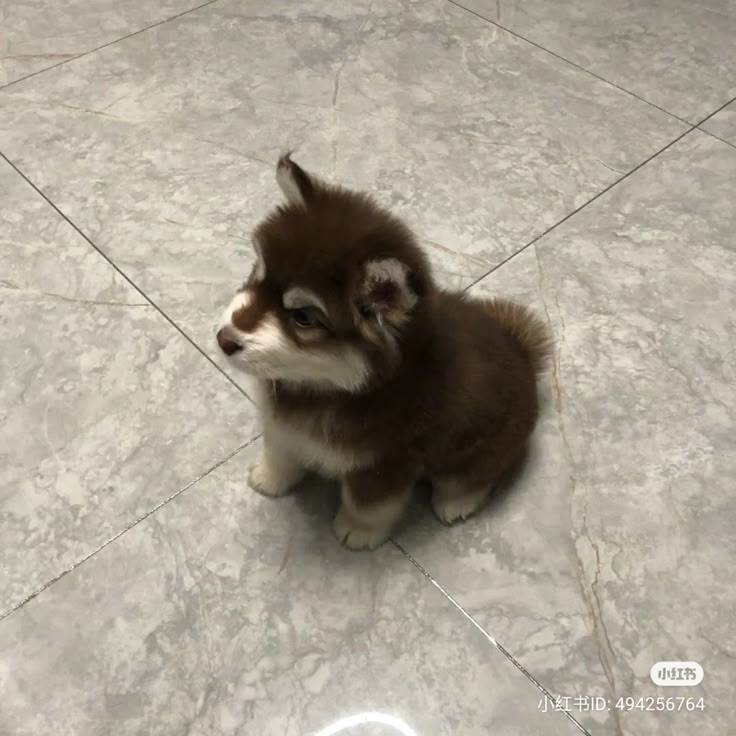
{"x": 275, "y": 471}
{"x": 372, "y": 502}
{"x": 455, "y": 498}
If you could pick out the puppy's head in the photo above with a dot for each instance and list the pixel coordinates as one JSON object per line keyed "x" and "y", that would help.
{"x": 335, "y": 287}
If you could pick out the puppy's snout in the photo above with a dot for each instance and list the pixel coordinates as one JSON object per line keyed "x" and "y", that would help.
{"x": 226, "y": 343}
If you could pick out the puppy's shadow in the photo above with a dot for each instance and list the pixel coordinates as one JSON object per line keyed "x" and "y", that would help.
{"x": 317, "y": 499}
{"x": 510, "y": 484}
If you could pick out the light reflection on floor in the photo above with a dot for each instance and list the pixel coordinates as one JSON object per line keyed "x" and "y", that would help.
{"x": 359, "y": 719}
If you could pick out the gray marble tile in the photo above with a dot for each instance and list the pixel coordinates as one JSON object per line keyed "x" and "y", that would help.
{"x": 229, "y": 613}
{"x": 614, "y": 548}
{"x": 677, "y": 54}
{"x": 723, "y": 124}
{"x": 38, "y": 34}
{"x": 162, "y": 146}
{"x": 105, "y": 409}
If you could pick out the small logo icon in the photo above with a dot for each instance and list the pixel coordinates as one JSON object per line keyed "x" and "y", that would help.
{"x": 673, "y": 674}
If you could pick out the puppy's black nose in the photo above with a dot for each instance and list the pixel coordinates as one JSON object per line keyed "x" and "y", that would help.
{"x": 227, "y": 344}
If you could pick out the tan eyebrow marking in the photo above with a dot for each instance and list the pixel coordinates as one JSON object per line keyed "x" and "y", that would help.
{"x": 297, "y": 297}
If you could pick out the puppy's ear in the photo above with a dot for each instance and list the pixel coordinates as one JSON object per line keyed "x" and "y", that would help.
{"x": 298, "y": 187}
{"x": 386, "y": 292}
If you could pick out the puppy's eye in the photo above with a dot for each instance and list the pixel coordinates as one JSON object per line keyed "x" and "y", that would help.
{"x": 303, "y": 317}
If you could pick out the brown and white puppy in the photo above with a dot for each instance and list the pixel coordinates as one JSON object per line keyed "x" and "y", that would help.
{"x": 370, "y": 373}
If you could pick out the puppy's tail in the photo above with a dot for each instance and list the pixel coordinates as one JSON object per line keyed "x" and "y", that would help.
{"x": 525, "y": 327}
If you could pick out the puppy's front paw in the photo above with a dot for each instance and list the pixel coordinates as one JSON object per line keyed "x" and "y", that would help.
{"x": 266, "y": 479}
{"x": 358, "y": 536}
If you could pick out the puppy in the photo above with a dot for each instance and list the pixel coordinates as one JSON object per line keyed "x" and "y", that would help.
{"x": 371, "y": 374}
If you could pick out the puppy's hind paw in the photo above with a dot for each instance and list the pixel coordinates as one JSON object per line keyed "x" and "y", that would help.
{"x": 450, "y": 509}
{"x": 358, "y": 536}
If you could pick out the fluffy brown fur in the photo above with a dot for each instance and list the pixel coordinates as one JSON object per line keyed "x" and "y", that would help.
{"x": 393, "y": 379}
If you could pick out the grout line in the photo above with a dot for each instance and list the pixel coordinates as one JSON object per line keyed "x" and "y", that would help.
{"x": 124, "y": 275}
{"x": 119, "y": 534}
{"x": 536, "y": 238}
{"x": 491, "y": 639}
{"x": 717, "y": 137}
{"x": 715, "y": 112}
{"x": 566, "y": 60}
{"x": 604, "y": 191}
{"x": 109, "y": 43}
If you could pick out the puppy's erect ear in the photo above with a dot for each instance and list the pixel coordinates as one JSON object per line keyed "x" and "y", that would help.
{"x": 298, "y": 187}
{"x": 386, "y": 292}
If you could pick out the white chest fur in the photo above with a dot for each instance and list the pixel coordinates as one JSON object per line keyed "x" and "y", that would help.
{"x": 307, "y": 442}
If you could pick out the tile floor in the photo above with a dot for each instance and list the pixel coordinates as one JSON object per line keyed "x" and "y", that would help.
{"x": 580, "y": 157}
